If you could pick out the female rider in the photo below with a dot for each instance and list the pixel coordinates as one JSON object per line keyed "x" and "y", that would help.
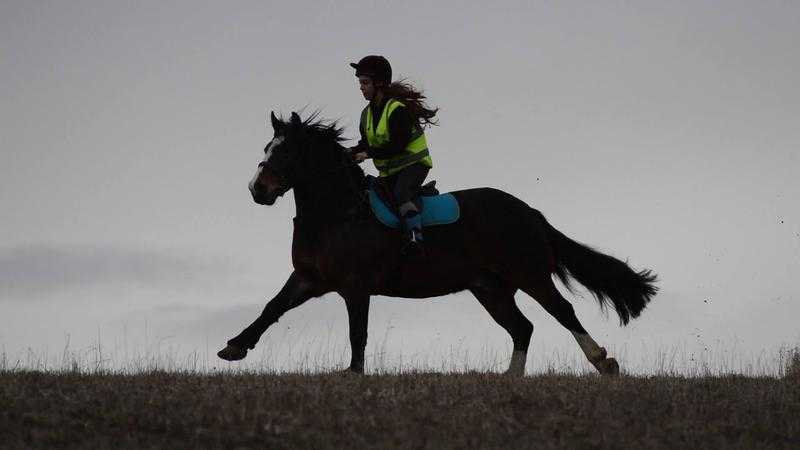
{"x": 391, "y": 134}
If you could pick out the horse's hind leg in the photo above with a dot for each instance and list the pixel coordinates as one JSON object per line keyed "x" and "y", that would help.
{"x": 497, "y": 297}
{"x": 552, "y": 301}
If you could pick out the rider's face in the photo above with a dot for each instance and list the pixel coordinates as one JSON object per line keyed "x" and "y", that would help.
{"x": 367, "y": 87}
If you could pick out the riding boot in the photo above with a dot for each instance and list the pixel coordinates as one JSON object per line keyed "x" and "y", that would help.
{"x": 412, "y": 224}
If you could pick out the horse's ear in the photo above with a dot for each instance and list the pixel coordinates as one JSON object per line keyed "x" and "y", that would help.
{"x": 295, "y": 118}
{"x": 277, "y": 125}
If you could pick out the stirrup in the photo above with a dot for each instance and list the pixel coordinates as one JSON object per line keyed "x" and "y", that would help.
{"x": 413, "y": 246}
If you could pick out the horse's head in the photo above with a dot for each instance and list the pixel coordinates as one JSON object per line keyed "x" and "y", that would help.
{"x": 276, "y": 171}
{"x": 299, "y": 152}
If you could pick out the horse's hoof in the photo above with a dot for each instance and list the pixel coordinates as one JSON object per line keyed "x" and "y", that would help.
{"x": 349, "y": 371}
{"x": 608, "y": 366}
{"x": 232, "y": 353}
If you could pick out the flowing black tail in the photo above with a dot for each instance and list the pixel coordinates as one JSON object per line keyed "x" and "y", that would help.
{"x": 609, "y": 279}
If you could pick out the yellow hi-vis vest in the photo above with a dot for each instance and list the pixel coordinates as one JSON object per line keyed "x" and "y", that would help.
{"x": 378, "y": 136}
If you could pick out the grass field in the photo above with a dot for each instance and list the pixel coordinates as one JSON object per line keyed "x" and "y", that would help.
{"x": 411, "y": 410}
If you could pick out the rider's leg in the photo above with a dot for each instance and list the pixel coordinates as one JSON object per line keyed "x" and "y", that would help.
{"x": 405, "y": 190}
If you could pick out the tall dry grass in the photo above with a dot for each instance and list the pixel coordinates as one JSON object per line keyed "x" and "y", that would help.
{"x": 790, "y": 358}
{"x": 414, "y": 410}
{"x": 93, "y": 398}
{"x": 321, "y": 356}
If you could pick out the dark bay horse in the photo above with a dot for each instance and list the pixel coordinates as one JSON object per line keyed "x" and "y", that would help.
{"x": 498, "y": 246}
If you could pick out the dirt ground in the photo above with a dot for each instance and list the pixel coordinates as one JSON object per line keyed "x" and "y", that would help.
{"x": 420, "y": 411}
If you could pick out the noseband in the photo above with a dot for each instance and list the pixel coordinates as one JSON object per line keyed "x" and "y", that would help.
{"x": 322, "y": 174}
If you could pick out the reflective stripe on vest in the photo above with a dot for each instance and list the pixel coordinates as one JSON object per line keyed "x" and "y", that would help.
{"x": 378, "y": 136}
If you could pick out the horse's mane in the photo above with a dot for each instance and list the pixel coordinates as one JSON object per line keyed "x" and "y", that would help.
{"x": 324, "y": 135}
{"x": 317, "y": 128}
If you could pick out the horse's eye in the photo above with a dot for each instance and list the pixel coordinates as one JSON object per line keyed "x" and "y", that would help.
{"x": 272, "y": 146}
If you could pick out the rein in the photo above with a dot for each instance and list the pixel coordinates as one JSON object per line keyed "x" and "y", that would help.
{"x": 317, "y": 175}
{"x": 321, "y": 175}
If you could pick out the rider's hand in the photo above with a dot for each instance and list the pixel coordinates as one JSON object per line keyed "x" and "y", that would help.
{"x": 360, "y": 157}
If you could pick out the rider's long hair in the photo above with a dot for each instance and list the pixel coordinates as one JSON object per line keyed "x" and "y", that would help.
{"x": 414, "y": 100}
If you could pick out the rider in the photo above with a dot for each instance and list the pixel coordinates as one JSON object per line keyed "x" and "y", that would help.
{"x": 392, "y": 135}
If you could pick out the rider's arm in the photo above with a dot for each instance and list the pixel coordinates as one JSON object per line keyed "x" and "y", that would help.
{"x": 363, "y": 145}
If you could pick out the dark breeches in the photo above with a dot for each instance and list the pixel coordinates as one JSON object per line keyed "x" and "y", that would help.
{"x": 404, "y": 185}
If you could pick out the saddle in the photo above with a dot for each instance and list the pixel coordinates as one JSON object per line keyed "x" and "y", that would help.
{"x": 435, "y": 208}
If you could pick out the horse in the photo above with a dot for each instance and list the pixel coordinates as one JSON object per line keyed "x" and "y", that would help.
{"x": 498, "y": 246}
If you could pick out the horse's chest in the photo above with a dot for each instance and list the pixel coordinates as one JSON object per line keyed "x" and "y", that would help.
{"x": 342, "y": 255}
{"x": 304, "y": 260}
{"x": 325, "y": 265}
{"x": 315, "y": 255}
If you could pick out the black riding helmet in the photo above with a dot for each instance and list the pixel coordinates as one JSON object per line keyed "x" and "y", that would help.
{"x": 374, "y": 66}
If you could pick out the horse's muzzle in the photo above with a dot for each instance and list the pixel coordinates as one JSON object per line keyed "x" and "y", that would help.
{"x": 264, "y": 199}
{"x": 266, "y": 190}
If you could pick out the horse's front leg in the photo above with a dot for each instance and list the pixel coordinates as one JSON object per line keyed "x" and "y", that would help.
{"x": 297, "y": 290}
{"x": 357, "y": 315}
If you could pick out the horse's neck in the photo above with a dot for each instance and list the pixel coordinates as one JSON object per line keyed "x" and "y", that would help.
{"x": 326, "y": 200}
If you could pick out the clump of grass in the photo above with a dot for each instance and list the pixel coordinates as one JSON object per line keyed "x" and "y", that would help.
{"x": 791, "y": 362}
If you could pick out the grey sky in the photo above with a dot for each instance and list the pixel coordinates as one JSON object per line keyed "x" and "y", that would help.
{"x": 662, "y": 132}
{"x": 31, "y": 272}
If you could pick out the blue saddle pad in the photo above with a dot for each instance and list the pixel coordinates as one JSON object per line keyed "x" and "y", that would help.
{"x": 439, "y": 209}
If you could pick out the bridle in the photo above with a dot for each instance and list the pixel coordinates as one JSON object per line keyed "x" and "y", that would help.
{"x": 321, "y": 175}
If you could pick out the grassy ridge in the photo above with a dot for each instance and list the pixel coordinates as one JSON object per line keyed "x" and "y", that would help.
{"x": 169, "y": 410}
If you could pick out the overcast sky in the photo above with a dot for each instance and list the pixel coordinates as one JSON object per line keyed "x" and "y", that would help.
{"x": 665, "y": 133}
